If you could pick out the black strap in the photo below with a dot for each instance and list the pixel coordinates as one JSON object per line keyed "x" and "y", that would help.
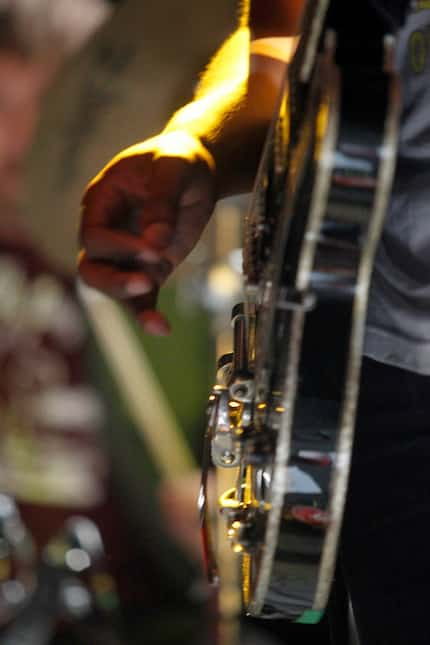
{"x": 392, "y": 11}
{"x": 360, "y": 30}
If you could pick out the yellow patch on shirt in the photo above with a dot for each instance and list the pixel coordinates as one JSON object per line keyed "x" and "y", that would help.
{"x": 420, "y": 5}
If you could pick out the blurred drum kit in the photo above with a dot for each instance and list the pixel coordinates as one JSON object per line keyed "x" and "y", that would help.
{"x": 68, "y": 583}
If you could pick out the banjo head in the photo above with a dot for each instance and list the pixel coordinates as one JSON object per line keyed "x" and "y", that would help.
{"x": 283, "y": 411}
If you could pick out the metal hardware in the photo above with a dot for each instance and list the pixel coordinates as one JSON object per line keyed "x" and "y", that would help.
{"x": 293, "y": 300}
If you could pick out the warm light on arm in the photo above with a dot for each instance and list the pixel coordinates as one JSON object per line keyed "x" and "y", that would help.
{"x": 221, "y": 88}
{"x": 281, "y": 49}
{"x": 178, "y": 144}
{"x": 227, "y": 121}
{"x": 225, "y": 81}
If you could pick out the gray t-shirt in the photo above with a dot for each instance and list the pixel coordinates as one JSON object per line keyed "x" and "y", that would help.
{"x": 398, "y": 327}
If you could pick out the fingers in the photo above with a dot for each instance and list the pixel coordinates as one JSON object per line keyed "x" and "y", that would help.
{"x": 116, "y": 246}
{"x": 119, "y": 219}
{"x": 153, "y": 322}
{"x": 121, "y": 264}
{"x": 136, "y": 289}
{"x": 139, "y": 219}
{"x": 111, "y": 280}
{"x": 123, "y": 240}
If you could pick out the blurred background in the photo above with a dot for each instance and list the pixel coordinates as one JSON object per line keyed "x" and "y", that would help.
{"x": 101, "y": 429}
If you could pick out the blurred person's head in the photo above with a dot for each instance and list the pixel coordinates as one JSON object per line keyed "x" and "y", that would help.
{"x": 23, "y": 77}
{"x": 35, "y": 37}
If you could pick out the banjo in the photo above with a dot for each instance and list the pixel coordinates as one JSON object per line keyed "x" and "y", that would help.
{"x": 274, "y": 416}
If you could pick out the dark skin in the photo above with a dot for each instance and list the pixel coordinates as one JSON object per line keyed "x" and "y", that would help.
{"x": 275, "y": 18}
{"x": 165, "y": 189}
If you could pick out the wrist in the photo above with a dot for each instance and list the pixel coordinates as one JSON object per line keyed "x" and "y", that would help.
{"x": 190, "y": 146}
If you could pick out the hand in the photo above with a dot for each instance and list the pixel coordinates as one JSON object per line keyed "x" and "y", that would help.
{"x": 141, "y": 216}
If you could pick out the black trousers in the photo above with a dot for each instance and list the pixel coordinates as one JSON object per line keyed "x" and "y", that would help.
{"x": 385, "y": 546}
{"x": 384, "y": 555}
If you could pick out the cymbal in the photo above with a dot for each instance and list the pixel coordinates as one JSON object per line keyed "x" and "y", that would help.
{"x": 121, "y": 88}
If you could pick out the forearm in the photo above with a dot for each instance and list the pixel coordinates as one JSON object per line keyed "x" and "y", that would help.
{"x": 234, "y": 104}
